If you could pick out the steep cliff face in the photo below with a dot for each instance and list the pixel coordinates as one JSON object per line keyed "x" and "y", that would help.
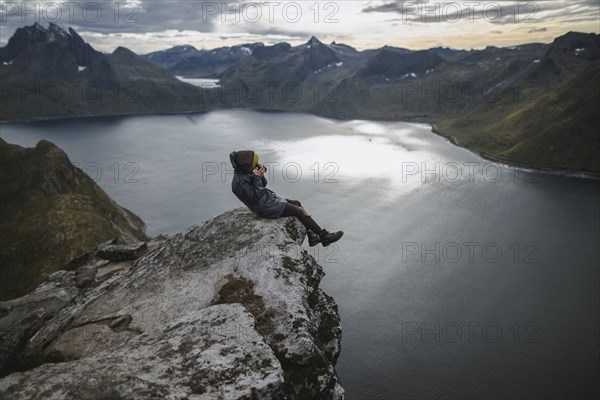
{"x": 50, "y": 211}
{"x": 228, "y": 309}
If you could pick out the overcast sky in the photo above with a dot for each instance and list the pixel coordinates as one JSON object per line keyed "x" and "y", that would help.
{"x": 148, "y": 25}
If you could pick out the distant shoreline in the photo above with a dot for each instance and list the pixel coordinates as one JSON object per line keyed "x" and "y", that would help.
{"x": 527, "y": 167}
{"x": 73, "y": 117}
{"x": 419, "y": 119}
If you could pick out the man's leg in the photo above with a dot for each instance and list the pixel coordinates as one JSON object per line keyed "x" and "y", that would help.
{"x": 324, "y": 237}
{"x": 303, "y": 210}
{"x": 292, "y": 210}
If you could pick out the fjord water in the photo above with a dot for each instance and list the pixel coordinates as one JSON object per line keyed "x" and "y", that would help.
{"x": 457, "y": 278}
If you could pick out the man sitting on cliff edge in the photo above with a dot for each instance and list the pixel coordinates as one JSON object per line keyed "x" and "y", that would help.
{"x": 249, "y": 185}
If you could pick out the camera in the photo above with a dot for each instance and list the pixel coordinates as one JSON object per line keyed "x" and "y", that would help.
{"x": 259, "y": 166}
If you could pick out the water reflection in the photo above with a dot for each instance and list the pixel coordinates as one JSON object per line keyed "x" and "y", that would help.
{"x": 397, "y": 184}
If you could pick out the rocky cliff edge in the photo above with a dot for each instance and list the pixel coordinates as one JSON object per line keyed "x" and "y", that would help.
{"x": 228, "y": 309}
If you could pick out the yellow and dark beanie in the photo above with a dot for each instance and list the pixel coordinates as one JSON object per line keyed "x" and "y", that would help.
{"x": 246, "y": 160}
{"x": 255, "y": 160}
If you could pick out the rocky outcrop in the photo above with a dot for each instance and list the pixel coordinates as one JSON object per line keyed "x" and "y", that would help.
{"x": 228, "y": 309}
{"x": 115, "y": 252}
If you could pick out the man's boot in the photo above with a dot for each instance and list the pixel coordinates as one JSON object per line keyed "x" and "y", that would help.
{"x": 330, "y": 237}
{"x": 313, "y": 238}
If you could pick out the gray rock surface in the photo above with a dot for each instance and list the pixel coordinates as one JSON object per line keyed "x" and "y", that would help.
{"x": 121, "y": 252}
{"x": 22, "y": 317}
{"x": 207, "y": 354}
{"x": 228, "y": 309}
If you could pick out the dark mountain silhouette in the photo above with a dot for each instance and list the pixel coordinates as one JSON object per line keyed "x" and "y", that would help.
{"x": 191, "y": 63}
{"x": 282, "y": 66}
{"x": 53, "y": 73}
{"x": 24, "y": 39}
{"x": 444, "y": 52}
{"x": 170, "y": 57}
{"x": 389, "y": 64}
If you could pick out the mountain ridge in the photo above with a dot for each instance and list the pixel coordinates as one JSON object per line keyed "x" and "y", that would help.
{"x": 478, "y": 98}
{"x": 511, "y": 104}
{"x": 49, "y": 73}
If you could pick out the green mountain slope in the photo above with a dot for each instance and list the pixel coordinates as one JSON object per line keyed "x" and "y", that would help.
{"x": 547, "y": 117}
{"x": 534, "y": 105}
{"x": 51, "y": 212}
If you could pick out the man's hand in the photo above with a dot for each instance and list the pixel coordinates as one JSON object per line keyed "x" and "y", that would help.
{"x": 260, "y": 171}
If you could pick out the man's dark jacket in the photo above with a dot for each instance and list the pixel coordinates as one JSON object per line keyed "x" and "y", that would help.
{"x": 251, "y": 189}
